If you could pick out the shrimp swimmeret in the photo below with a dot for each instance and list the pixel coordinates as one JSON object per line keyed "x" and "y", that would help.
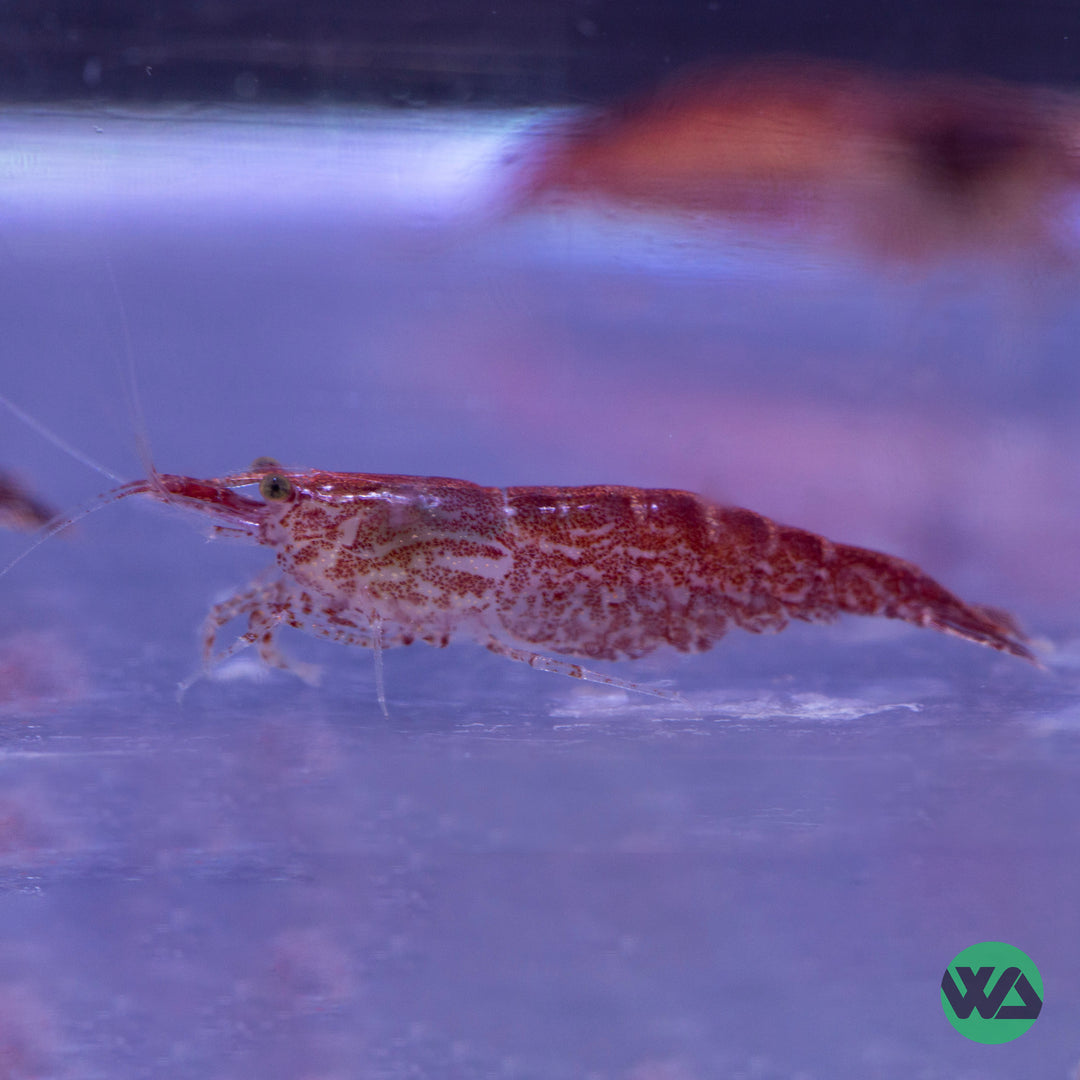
{"x": 596, "y": 573}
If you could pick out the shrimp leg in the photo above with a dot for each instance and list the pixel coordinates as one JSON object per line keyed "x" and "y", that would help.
{"x": 266, "y": 605}
{"x": 576, "y": 671}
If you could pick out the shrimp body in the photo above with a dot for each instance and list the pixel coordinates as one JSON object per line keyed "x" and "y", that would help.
{"x": 597, "y": 572}
{"x": 19, "y": 509}
{"x": 902, "y": 167}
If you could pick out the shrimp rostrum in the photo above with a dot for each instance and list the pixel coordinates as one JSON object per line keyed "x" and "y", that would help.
{"x": 591, "y": 573}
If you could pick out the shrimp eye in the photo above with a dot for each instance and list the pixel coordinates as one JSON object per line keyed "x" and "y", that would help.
{"x": 265, "y": 463}
{"x": 275, "y": 487}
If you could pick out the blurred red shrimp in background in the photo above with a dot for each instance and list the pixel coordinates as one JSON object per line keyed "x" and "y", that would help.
{"x": 898, "y": 167}
{"x": 18, "y": 508}
{"x": 38, "y": 669}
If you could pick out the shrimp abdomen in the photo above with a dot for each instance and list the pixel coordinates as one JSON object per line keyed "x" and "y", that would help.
{"x": 616, "y": 572}
{"x": 870, "y": 583}
{"x": 816, "y": 580}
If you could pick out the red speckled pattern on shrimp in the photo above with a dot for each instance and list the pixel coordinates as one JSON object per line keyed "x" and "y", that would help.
{"x": 601, "y": 572}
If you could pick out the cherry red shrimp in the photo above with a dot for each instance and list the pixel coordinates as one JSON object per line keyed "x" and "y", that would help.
{"x": 903, "y": 168}
{"x": 19, "y": 509}
{"x": 594, "y": 573}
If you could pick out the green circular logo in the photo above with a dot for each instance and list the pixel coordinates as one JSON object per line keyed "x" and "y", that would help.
{"x": 992, "y": 992}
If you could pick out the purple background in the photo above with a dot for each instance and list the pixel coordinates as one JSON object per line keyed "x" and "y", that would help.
{"x": 515, "y": 876}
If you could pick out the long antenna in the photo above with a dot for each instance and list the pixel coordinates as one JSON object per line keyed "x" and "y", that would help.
{"x": 61, "y": 523}
{"x": 129, "y": 382}
{"x": 61, "y": 444}
{"x": 131, "y": 393}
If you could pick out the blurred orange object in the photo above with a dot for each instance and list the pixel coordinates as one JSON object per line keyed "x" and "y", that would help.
{"x": 901, "y": 167}
{"x": 18, "y": 508}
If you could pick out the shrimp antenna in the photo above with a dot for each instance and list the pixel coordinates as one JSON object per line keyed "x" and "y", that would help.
{"x": 61, "y": 444}
{"x": 58, "y": 525}
{"x": 130, "y": 384}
